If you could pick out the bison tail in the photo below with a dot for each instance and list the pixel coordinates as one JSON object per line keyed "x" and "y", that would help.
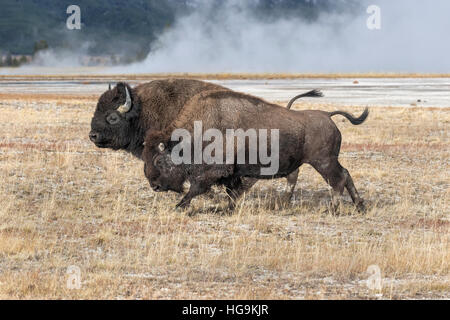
{"x": 353, "y": 120}
{"x": 313, "y": 93}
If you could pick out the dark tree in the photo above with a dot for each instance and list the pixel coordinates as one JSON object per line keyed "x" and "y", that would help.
{"x": 39, "y": 46}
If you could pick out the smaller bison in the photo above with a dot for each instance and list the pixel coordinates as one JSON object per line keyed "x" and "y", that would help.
{"x": 303, "y": 137}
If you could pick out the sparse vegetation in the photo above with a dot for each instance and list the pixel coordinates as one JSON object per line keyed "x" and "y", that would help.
{"x": 64, "y": 202}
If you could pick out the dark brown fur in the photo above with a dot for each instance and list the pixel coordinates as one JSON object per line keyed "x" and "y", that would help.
{"x": 305, "y": 137}
{"x": 155, "y": 105}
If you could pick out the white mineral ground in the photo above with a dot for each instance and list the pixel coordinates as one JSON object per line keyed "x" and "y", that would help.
{"x": 400, "y": 92}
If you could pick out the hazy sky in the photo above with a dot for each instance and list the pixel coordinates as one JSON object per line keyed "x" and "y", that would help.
{"x": 413, "y": 38}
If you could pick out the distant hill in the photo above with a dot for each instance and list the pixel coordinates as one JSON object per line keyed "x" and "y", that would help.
{"x": 120, "y": 27}
{"x": 106, "y": 24}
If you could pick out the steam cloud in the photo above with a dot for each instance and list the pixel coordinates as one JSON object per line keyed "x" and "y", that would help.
{"x": 61, "y": 58}
{"x": 411, "y": 39}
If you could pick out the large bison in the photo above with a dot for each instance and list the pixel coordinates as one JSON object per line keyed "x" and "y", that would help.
{"x": 304, "y": 137}
{"x": 123, "y": 114}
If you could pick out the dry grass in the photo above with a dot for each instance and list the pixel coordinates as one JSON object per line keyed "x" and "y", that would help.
{"x": 65, "y": 202}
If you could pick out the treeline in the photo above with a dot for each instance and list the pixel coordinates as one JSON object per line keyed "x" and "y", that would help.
{"x": 10, "y": 60}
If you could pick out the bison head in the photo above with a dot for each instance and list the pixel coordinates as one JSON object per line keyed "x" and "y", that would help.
{"x": 161, "y": 172}
{"x": 115, "y": 118}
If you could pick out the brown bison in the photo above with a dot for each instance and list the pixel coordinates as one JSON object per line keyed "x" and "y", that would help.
{"x": 303, "y": 137}
{"x": 123, "y": 114}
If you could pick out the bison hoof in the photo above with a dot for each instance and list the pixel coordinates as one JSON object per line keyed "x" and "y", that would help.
{"x": 185, "y": 210}
{"x": 334, "y": 209}
{"x": 287, "y": 199}
{"x": 361, "y": 208}
{"x": 181, "y": 206}
{"x": 278, "y": 203}
{"x": 231, "y": 206}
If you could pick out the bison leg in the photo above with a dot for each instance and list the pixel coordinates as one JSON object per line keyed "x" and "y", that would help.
{"x": 195, "y": 189}
{"x": 350, "y": 186}
{"x": 338, "y": 178}
{"x": 291, "y": 183}
{"x": 236, "y": 187}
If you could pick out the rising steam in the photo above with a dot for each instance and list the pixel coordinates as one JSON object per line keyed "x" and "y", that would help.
{"x": 411, "y": 39}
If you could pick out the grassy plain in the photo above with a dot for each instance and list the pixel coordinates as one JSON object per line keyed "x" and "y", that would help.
{"x": 65, "y": 202}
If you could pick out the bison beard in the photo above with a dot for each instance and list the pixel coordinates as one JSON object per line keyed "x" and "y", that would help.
{"x": 305, "y": 137}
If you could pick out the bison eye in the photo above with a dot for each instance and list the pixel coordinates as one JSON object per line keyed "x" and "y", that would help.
{"x": 158, "y": 162}
{"x": 112, "y": 118}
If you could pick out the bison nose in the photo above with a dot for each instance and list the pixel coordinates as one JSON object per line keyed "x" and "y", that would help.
{"x": 93, "y": 136}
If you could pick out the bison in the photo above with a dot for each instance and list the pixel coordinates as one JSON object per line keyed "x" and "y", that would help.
{"x": 123, "y": 114}
{"x": 304, "y": 137}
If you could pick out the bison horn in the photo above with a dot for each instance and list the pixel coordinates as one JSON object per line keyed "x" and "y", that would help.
{"x": 161, "y": 147}
{"x": 127, "y": 106}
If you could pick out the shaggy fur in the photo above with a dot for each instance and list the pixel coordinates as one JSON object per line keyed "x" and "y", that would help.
{"x": 305, "y": 137}
{"x": 154, "y": 106}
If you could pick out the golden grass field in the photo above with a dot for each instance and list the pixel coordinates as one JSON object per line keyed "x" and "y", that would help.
{"x": 65, "y": 202}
